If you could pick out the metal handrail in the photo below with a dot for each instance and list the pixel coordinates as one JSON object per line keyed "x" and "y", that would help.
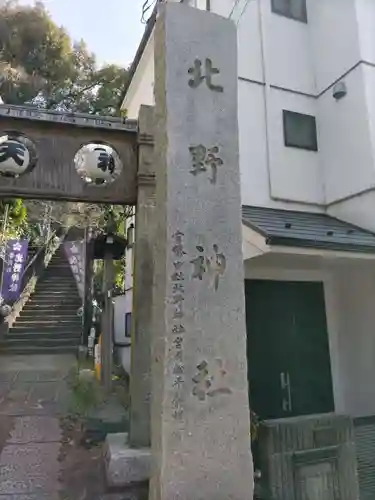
{"x": 41, "y": 249}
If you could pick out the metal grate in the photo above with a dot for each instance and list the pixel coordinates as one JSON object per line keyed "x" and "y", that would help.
{"x": 365, "y": 444}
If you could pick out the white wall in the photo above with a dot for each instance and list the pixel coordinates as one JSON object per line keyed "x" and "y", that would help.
{"x": 345, "y": 139}
{"x": 287, "y": 51}
{"x": 269, "y": 170}
{"x": 123, "y": 305}
{"x": 141, "y": 89}
{"x": 250, "y": 55}
{"x": 303, "y": 60}
{"x": 120, "y": 310}
{"x": 356, "y": 292}
{"x": 358, "y": 210}
{"x": 334, "y": 39}
{"x": 296, "y": 174}
{"x": 365, "y": 12}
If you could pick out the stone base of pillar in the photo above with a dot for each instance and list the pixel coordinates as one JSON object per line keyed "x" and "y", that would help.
{"x": 125, "y": 466}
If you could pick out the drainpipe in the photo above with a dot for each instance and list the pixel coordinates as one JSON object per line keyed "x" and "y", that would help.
{"x": 263, "y": 46}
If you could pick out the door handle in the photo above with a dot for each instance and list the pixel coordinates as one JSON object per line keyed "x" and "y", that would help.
{"x": 285, "y": 387}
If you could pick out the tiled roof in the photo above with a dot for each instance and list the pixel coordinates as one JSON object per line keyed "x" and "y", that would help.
{"x": 306, "y": 229}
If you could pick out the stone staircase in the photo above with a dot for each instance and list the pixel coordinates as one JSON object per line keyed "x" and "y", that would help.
{"x": 48, "y": 323}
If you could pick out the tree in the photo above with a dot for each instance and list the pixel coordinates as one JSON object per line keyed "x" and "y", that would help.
{"x": 39, "y": 64}
{"x": 13, "y": 217}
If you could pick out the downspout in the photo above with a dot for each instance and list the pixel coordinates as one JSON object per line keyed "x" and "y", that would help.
{"x": 263, "y": 46}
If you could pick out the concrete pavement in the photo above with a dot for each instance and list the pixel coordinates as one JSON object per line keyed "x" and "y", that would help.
{"x": 33, "y": 393}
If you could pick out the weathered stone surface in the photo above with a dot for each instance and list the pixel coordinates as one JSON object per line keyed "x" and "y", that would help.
{"x": 36, "y": 429}
{"x": 37, "y": 496}
{"x": 6, "y": 378}
{"x": 44, "y": 391}
{"x": 139, "y": 493}
{"x": 31, "y": 468}
{"x": 30, "y": 444}
{"x": 140, "y": 380}
{"x": 125, "y": 465}
{"x": 200, "y": 410}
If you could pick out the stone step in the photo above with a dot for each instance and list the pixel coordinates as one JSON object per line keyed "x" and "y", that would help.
{"x": 48, "y": 275}
{"x": 50, "y": 312}
{"x": 45, "y": 299}
{"x": 56, "y": 285}
{"x": 31, "y": 315}
{"x": 53, "y": 295}
{"x": 27, "y": 349}
{"x": 45, "y": 287}
{"x": 46, "y": 329}
{"x": 37, "y": 335}
{"x": 71, "y": 285}
{"x": 55, "y": 321}
{"x": 57, "y": 278}
{"x": 47, "y": 341}
{"x": 53, "y": 307}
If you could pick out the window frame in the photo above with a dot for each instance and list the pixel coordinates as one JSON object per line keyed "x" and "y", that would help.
{"x": 277, "y": 10}
{"x": 290, "y": 144}
{"x": 128, "y": 319}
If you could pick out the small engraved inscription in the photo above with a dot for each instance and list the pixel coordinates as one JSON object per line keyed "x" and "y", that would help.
{"x": 178, "y": 329}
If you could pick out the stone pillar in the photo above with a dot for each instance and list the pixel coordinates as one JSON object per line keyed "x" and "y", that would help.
{"x": 139, "y": 435}
{"x": 200, "y": 410}
{"x": 128, "y": 456}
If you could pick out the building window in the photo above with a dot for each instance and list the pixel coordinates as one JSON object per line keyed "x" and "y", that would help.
{"x": 294, "y": 9}
{"x": 300, "y": 131}
{"x": 128, "y": 318}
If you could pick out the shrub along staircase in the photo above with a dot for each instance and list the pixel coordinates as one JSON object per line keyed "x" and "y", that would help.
{"x": 48, "y": 323}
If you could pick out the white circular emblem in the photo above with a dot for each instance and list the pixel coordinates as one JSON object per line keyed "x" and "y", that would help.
{"x": 14, "y": 156}
{"x": 98, "y": 164}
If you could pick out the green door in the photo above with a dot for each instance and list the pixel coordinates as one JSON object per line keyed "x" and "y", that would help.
{"x": 288, "y": 351}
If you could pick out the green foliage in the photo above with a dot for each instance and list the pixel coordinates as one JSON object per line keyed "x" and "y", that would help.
{"x": 41, "y": 65}
{"x": 17, "y": 216}
{"x": 85, "y": 393}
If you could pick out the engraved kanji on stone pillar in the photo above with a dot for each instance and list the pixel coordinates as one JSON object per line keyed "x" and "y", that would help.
{"x": 200, "y": 410}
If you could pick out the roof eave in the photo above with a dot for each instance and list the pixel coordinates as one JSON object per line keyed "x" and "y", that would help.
{"x": 317, "y": 245}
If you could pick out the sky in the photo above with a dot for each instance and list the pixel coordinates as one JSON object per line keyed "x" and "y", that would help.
{"x": 111, "y": 28}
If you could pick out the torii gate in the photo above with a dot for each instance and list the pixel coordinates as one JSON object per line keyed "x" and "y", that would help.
{"x": 57, "y": 137}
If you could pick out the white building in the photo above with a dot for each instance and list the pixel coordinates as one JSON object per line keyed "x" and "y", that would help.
{"x": 307, "y": 155}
